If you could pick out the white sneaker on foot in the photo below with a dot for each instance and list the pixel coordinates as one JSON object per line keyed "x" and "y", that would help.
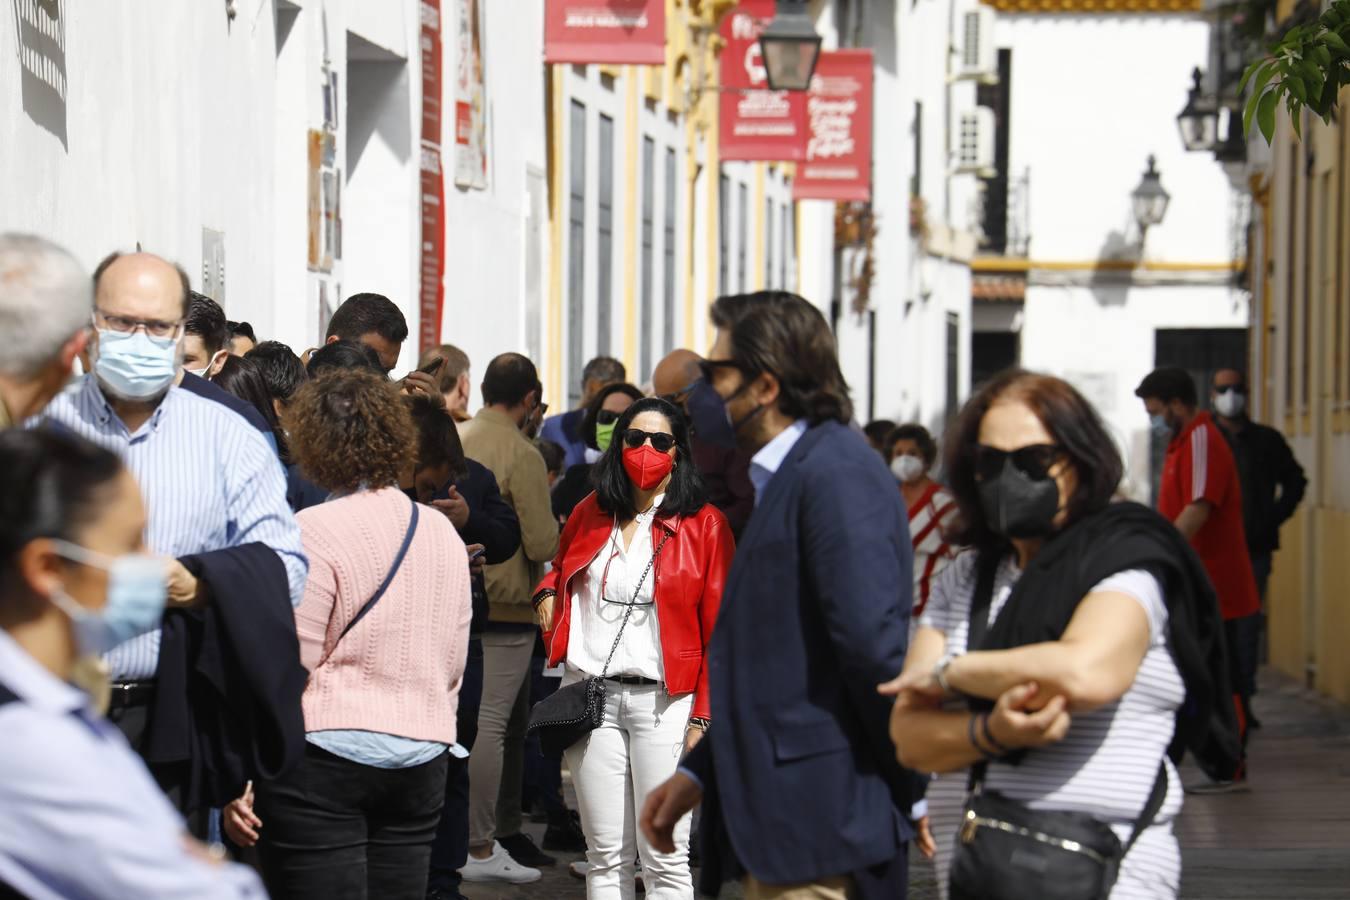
{"x": 498, "y": 867}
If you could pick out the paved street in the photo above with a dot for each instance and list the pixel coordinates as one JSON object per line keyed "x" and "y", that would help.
{"x": 1288, "y": 838}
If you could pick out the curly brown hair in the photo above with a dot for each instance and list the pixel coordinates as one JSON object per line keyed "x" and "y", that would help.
{"x": 349, "y": 429}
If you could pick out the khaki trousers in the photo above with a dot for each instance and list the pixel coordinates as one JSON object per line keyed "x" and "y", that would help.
{"x": 840, "y": 888}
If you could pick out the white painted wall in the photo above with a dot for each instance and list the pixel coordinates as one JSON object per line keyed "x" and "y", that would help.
{"x": 1085, "y": 140}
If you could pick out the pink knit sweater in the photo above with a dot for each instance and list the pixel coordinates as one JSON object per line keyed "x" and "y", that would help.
{"x": 399, "y": 671}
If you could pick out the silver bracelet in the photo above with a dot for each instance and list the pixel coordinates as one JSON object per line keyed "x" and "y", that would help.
{"x": 940, "y": 672}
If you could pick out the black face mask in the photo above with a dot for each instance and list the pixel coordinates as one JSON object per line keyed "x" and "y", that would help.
{"x": 1018, "y": 506}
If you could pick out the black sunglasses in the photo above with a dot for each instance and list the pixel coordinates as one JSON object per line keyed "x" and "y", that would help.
{"x": 1231, "y": 388}
{"x": 607, "y": 417}
{"x": 708, "y": 367}
{"x": 636, "y": 437}
{"x": 1034, "y": 461}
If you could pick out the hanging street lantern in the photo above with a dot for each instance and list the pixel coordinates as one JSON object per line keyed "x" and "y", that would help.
{"x": 1149, "y": 199}
{"x": 1198, "y": 121}
{"x": 790, "y": 47}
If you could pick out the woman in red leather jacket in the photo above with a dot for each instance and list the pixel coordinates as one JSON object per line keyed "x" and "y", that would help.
{"x": 632, "y": 596}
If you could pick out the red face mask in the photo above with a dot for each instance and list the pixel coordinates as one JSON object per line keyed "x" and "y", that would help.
{"x": 646, "y": 466}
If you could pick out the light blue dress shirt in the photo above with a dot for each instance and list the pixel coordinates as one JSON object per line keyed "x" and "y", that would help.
{"x": 80, "y": 817}
{"x": 766, "y": 463}
{"x": 209, "y": 481}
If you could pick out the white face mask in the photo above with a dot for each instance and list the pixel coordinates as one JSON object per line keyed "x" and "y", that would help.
{"x": 205, "y": 371}
{"x": 1230, "y": 404}
{"x": 908, "y": 469}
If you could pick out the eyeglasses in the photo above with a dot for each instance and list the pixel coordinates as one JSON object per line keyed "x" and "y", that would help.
{"x": 1034, "y": 461}
{"x": 708, "y": 367}
{"x": 127, "y": 325}
{"x": 636, "y": 437}
{"x": 606, "y": 417}
{"x": 604, "y": 584}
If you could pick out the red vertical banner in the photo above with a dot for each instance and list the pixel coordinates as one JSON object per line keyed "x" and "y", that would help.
{"x": 755, "y": 122}
{"x": 838, "y": 161}
{"x": 618, "y": 32}
{"x": 431, "y": 304}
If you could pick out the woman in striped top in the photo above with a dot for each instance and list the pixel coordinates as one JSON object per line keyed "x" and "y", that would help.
{"x": 1090, "y": 700}
{"x": 911, "y": 452}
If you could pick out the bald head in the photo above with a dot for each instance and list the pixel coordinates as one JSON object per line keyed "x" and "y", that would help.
{"x": 141, "y": 286}
{"x": 676, "y": 372}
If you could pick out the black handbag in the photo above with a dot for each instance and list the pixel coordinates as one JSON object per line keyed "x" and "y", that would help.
{"x": 1007, "y": 851}
{"x": 575, "y": 711}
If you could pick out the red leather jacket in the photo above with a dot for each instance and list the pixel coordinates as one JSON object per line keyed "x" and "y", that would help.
{"x": 689, "y": 575}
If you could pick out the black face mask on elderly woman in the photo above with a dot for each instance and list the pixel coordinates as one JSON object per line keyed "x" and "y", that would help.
{"x": 1017, "y": 494}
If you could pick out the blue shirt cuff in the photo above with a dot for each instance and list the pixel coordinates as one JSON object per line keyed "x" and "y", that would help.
{"x": 688, "y": 773}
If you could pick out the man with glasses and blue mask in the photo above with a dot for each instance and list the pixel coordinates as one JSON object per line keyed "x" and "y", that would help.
{"x": 211, "y": 484}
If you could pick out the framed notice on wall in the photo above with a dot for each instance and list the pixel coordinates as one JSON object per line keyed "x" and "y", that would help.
{"x": 470, "y": 96}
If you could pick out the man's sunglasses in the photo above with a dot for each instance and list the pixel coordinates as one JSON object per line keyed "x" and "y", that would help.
{"x": 708, "y": 367}
{"x": 1034, "y": 461}
{"x": 636, "y": 437}
{"x": 1231, "y": 389}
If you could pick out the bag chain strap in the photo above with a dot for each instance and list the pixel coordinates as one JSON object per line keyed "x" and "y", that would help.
{"x": 629, "y": 612}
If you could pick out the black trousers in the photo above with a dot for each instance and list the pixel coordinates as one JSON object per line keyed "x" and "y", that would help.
{"x": 450, "y": 851}
{"x": 134, "y": 723}
{"x": 337, "y": 830}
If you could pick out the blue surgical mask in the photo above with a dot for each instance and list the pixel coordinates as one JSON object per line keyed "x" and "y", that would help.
{"x": 708, "y": 415}
{"x": 138, "y": 589}
{"x": 136, "y": 366}
{"x": 1159, "y": 426}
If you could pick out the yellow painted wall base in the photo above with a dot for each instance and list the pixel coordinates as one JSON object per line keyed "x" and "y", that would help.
{"x": 1284, "y": 606}
{"x": 1332, "y": 575}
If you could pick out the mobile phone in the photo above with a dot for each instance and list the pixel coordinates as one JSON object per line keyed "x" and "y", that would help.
{"x": 477, "y": 553}
{"x": 433, "y": 367}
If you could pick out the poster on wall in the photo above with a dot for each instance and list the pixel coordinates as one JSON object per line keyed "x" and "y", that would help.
{"x": 756, "y": 123}
{"x": 617, "y": 32}
{"x": 431, "y": 296}
{"x": 325, "y": 202}
{"x": 838, "y": 160}
{"x": 470, "y": 97}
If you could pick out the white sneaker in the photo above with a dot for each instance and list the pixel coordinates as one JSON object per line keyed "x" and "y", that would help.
{"x": 579, "y": 869}
{"x": 498, "y": 867}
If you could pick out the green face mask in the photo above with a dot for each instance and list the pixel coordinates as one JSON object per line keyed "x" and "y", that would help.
{"x": 604, "y": 436}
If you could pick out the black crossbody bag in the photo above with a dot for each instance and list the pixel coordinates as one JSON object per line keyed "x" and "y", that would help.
{"x": 1008, "y": 851}
{"x": 575, "y": 711}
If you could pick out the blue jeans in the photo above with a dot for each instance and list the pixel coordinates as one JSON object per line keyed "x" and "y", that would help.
{"x": 450, "y": 850}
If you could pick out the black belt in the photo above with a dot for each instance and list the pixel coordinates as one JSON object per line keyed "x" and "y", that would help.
{"x": 126, "y": 694}
{"x": 631, "y": 679}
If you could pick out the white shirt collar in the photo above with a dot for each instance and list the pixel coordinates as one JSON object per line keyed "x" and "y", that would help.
{"x": 766, "y": 463}
{"x": 36, "y": 686}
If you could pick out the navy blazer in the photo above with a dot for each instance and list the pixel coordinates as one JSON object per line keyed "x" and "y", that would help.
{"x": 798, "y": 763}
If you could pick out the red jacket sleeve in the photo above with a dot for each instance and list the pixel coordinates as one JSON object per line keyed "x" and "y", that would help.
{"x": 1207, "y": 469}
{"x": 551, "y": 581}
{"x": 719, "y": 546}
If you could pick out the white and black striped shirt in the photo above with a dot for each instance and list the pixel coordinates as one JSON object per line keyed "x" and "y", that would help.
{"x": 1107, "y": 763}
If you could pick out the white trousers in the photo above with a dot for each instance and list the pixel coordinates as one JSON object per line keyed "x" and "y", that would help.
{"x": 613, "y": 770}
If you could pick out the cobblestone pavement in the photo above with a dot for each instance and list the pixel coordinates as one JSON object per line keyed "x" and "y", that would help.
{"x": 1287, "y": 838}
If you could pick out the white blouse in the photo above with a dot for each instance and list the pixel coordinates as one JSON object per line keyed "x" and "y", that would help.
{"x": 596, "y": 618}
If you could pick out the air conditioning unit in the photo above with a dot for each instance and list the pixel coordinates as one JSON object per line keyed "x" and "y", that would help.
{"x": 978, "y": 55}
{"x": 975, "y": 142}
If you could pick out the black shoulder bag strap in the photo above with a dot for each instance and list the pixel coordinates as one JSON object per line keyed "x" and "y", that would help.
{"x": 388, "y": 579}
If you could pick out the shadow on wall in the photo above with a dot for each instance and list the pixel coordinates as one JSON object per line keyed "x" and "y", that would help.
{"x": 1110, "y": 286}
{"x": 40, "y": 32}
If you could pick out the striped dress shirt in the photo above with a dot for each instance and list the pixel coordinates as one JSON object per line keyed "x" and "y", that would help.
{"x": 209, "y": 482}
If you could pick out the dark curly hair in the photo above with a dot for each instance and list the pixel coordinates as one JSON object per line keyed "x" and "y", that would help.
{"x": 686, "y": 493}
{"x": 349, "y": 429}
{"x": 782, "y": 334}
{"x": 1075, "y": 427}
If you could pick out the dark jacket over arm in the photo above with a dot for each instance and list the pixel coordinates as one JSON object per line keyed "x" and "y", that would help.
{"x": 230, "y": 678}
{"x": 492, "y": 521}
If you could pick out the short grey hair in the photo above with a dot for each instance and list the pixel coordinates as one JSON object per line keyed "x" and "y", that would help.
{"x": 45, "y": 299}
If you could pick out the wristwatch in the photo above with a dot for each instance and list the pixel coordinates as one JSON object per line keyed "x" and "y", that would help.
{"x": 940, "y": 672}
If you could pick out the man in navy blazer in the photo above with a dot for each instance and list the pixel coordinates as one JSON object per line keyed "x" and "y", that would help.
{"x": 797, "y": 772}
